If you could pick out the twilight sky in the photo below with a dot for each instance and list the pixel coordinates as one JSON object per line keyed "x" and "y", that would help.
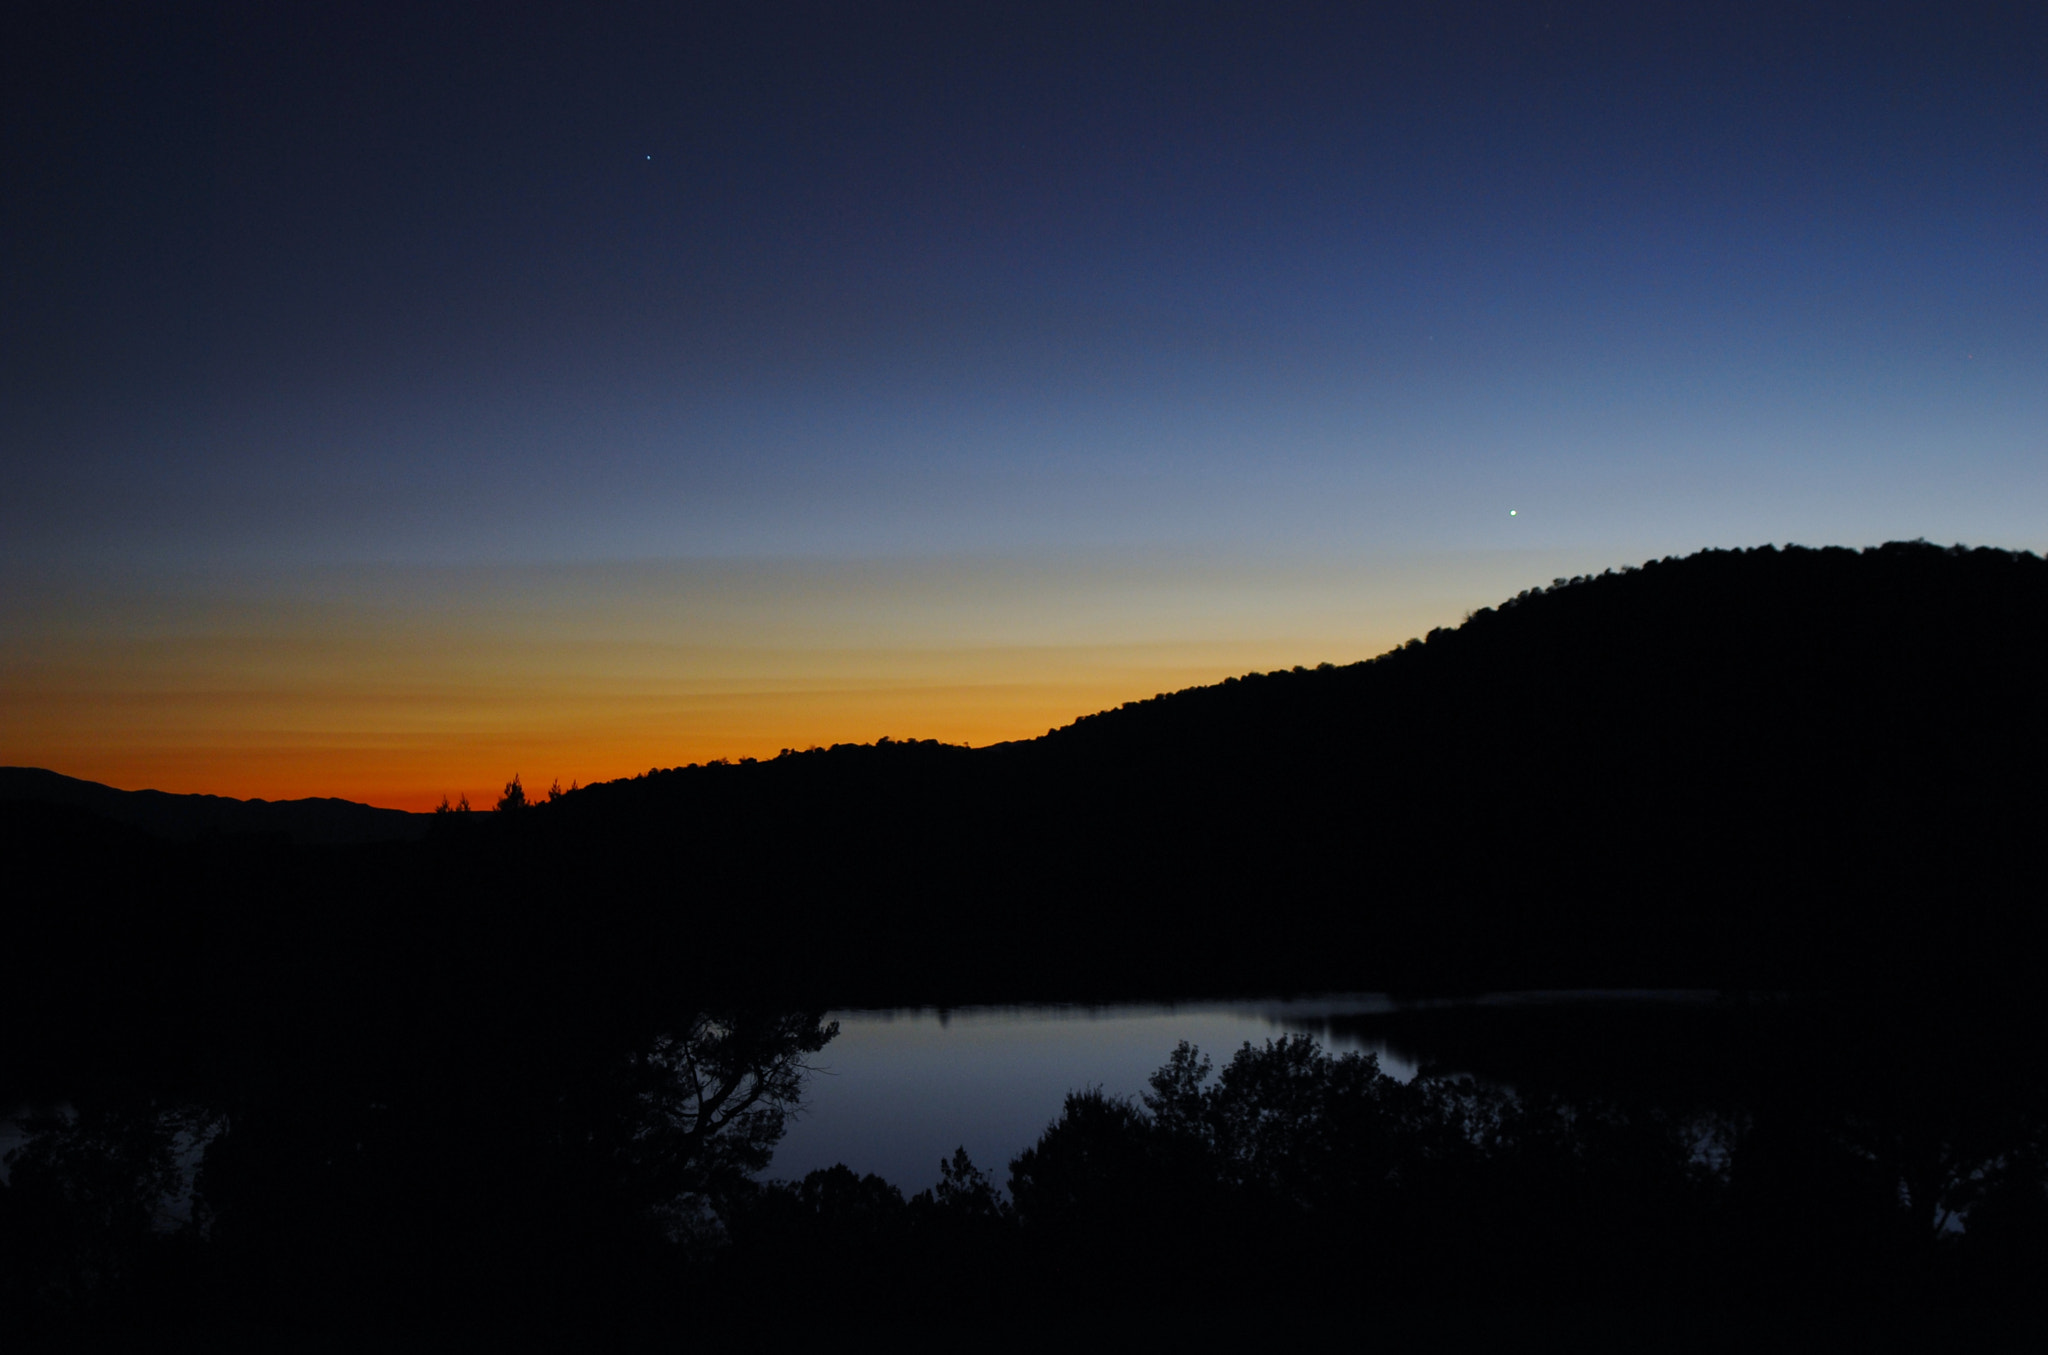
{"x": 395, "y": 397}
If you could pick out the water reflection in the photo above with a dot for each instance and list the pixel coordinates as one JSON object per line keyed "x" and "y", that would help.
{"x": 899, "y": 1090}
{"x": 1885, "y": 1088}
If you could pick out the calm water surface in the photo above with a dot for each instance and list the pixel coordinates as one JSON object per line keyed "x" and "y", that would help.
{"x": 899, "y": 1090}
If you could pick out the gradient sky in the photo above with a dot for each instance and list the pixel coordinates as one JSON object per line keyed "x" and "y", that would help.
{"x": 394, "y": 397}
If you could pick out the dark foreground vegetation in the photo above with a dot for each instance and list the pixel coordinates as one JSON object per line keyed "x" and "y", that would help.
{"x": 1296, "y": 1180}
{"x": 1285, "y": 1182}
{"x": 527, "y": 1066}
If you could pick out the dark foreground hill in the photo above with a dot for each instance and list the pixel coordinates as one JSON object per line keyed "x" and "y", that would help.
{"x": 1767, "y": 767}
{"x": 311, "y": 821}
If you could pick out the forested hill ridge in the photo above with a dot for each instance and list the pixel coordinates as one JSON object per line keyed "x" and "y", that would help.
{"x": 1752, "y": 637}
{"x": 1750, "y": 765}
{"x": 1753, "y": 768}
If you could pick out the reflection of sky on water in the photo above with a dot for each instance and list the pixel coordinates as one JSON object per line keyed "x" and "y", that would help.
{"x": 899, "y": 1090}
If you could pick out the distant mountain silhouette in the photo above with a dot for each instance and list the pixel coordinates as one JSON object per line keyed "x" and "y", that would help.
{"x": 184, "y": 817}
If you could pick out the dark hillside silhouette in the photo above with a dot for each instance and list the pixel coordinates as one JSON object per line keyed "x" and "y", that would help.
{"x": 1766, "y": 768}
{"x": 1759, "y": 767}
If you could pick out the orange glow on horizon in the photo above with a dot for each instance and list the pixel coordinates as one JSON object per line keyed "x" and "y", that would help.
{"x": 602, "y": 741}
{"x": 395, "y": 687}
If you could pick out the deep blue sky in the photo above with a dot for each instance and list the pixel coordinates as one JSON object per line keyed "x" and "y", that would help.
{"x": 290, "y": 287}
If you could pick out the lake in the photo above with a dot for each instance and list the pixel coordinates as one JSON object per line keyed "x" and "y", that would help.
{"x": 899, "y": 1090}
